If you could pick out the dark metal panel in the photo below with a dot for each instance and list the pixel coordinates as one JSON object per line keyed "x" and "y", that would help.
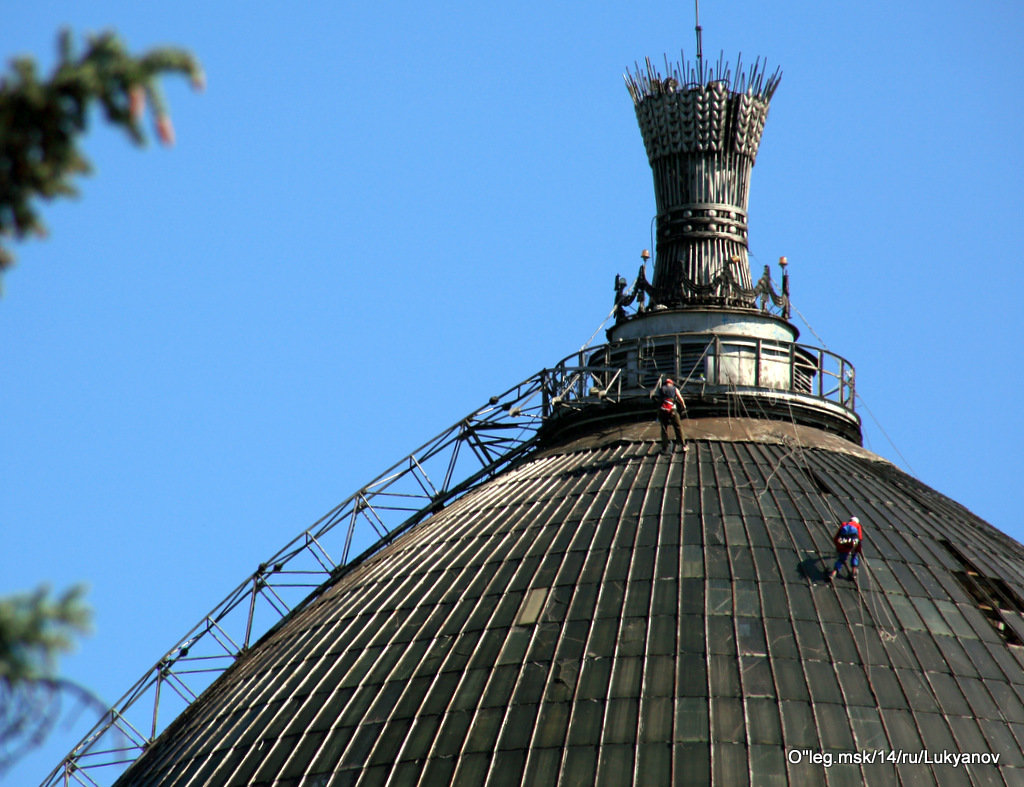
{"x": 774, "y": 600}
{"x": 756, "y": 676}
{"x": 790, "y": 679}
{"x": 721, "y": 637}
{"x": 834, "y": 726}
{"x": 656, "y": 720}
{"x": 729, "y": 763}
{"x": 719, "y": 596}
{"x": 951, "y": 699}
{"x": 716, "y": 562}
{"x": 467, "y": 694}
{"x": 953, "y": 614}
{"x": 545, "y": 637}
{"x": 594, "y": 678}
{"x": 750, "y": 636}
{"x": 848, "y": 776}
{"x": 810, "y": 640}
{"x": 805, "y": 772}
{"x": 933, "y": 620}
{"x": 926, "y": 575}
{"x": 981, "y": 658}
{"x": 654, "y": 763}
{"x": 882, "y": 576}
{"x": 742, "y": 563}
{"x": 727, "y": 719}
{"x": 530, "y": 684}
{"x": 438, "y": 770}
{"x": 735, "y": 531}
{"x": 801, "y": 602}
{"x": 798, "y": 724}
{"x": 822, "y": 680}
{"x": 922, "y": 651}
{"x": 764, "y": 723}
{"x": 882, "y": 541}
{"x": 906, "y": 615}
{"x": 1007, "y": 700}
{"x": 887, "y": 688}
{"x": 579, "y": 759}
{"x": 497, "y": 691}
{"x": 585, "y": 723}
{"x": 855, "y": 686}
{"x": 978, "y": 697}
{"x": 542, "y": 766}
{"x": 714, "y": 529}
{"x": 956, "y": 657}
{"x": 691, "y": 679}
{"x": 829, "y": 608}
{"x": 472, "y": 769}
{"x": 724, "y": 675}
{"x": 626, "y": 677}
{"x": 781, "y": 639}
{"x": 621, "y": 719}
{"x": 518, "y": 727}
{"x": 968, "y": 734}
{"x": 906, "y": 577}
{"x": 692, "y": 720}
{"x": 842, "y": 641}
{"x": 868, "y": 731}
{"x": 1001, "y": 740}
{"x": 917, "y": 690}
{"x": 659, "y": 676}
{"x": 935, "y": 733}
{"x": 604, "y": 637}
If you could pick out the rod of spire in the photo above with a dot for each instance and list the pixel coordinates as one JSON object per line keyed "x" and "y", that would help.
{"x": 696, "y": 18}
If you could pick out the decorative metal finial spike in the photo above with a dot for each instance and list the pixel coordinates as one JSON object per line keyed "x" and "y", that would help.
{"x": 700, "y": 51}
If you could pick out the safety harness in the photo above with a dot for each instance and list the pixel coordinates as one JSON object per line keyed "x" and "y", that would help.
{"x": 847, "y": 539}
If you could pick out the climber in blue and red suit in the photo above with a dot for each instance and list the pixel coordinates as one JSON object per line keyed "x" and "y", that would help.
{"x": 849, "y": 541}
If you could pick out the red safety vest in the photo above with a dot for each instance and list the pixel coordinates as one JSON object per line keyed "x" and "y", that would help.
{"x": 668, "y": 403}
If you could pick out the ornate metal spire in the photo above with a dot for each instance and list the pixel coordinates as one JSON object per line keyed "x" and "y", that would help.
{"x": 701, "y": 126}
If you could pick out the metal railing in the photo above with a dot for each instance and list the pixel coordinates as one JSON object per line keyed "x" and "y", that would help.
{"x": 703, "y": 362}
{"x": 469, "y": 452}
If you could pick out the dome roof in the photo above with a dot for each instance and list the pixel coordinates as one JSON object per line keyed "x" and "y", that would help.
{"x": 605, "y": 612}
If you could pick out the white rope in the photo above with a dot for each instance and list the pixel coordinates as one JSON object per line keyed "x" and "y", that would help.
{"x": 862, "y": 400}
{"x": 899, "y": 453}
{"x": 599, "y": 327}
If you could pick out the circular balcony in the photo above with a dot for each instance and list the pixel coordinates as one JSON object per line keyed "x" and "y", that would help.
{"x": 720, "y": 375}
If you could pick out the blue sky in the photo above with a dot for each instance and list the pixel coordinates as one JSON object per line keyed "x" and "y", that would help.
{"x": 376, "y": 217}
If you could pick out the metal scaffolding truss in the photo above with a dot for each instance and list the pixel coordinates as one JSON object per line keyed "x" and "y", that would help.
{"x": 423, "y": 482}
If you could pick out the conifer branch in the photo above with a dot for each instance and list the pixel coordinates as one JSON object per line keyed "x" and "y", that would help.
{"x": 41, "y": 120}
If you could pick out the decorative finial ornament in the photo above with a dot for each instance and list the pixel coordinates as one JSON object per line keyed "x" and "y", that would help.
{"x": 701, "y": 127}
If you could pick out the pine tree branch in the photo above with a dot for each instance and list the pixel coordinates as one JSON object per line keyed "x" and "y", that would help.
{"x": 42, "y": 120}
